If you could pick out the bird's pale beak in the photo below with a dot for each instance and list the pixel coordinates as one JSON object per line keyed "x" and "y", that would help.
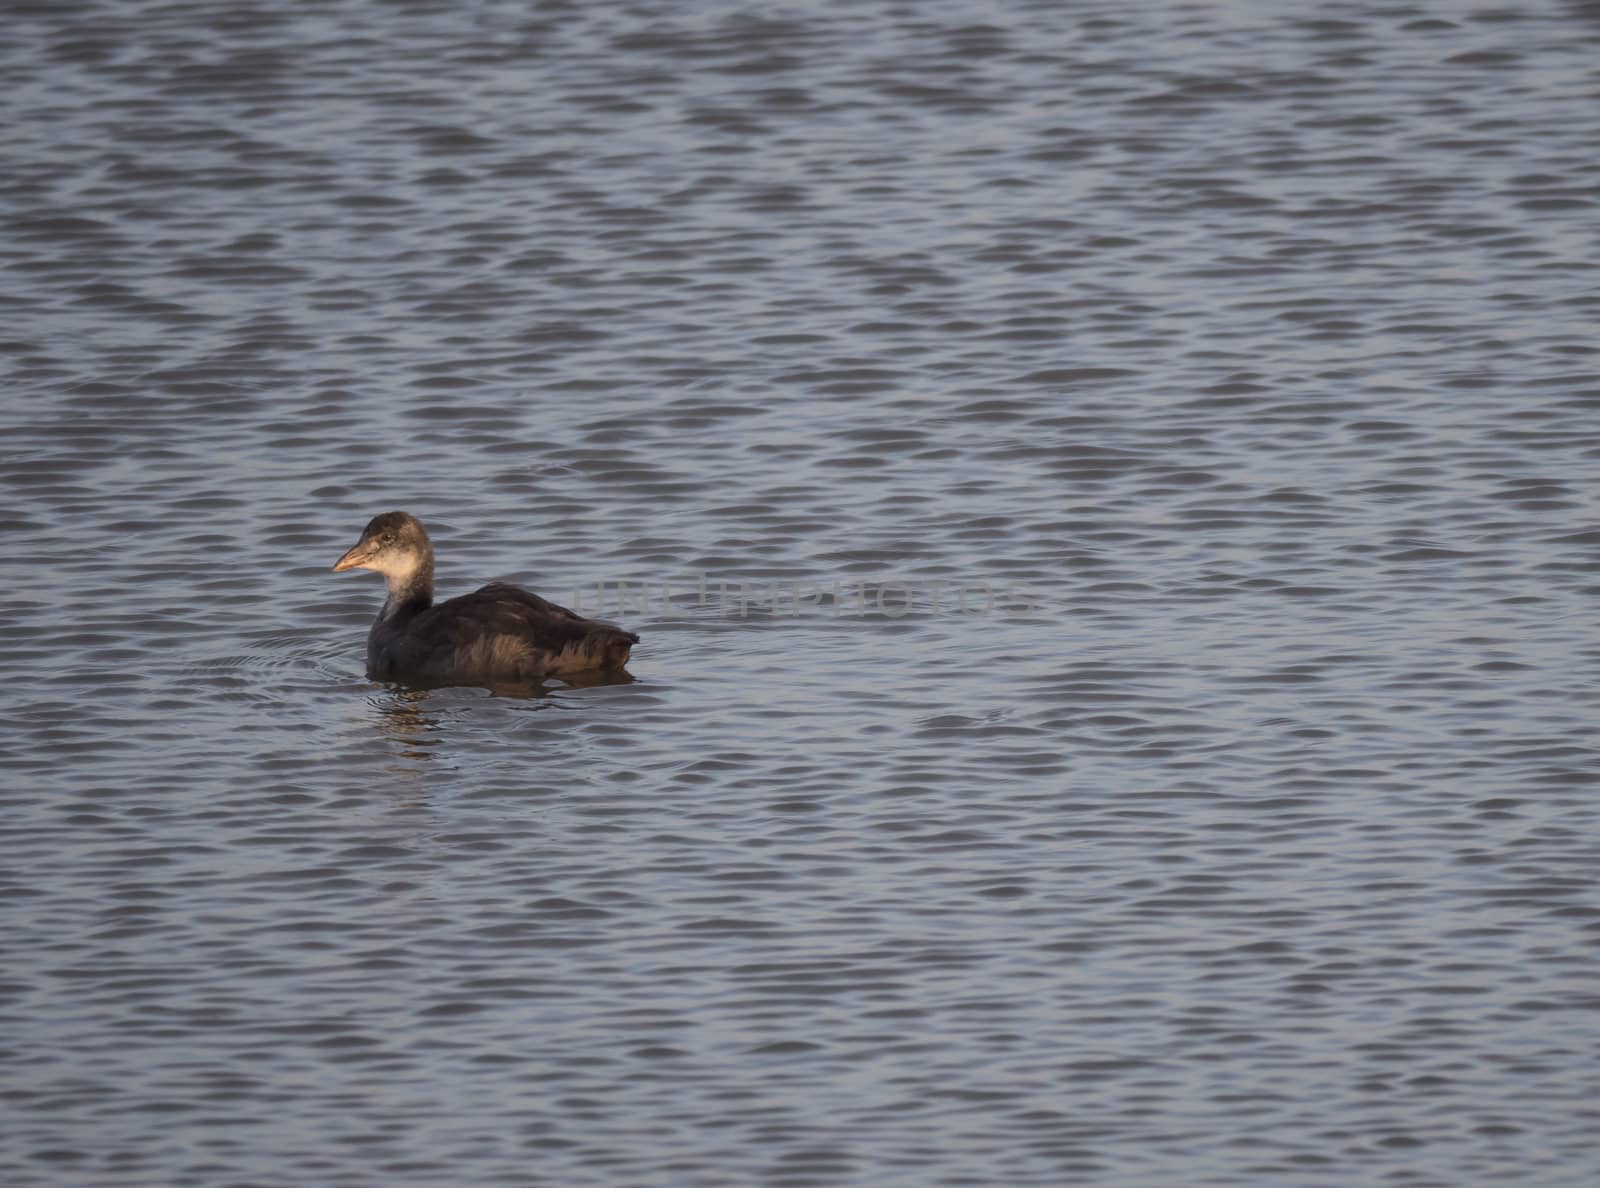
{"x": 357, "y": 557}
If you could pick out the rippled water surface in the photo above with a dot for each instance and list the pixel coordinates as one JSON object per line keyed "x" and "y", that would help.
{"x": 1171, "y": 433}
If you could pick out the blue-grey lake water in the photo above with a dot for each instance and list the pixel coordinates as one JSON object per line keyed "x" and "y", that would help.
{"x": 1108, "y": 493}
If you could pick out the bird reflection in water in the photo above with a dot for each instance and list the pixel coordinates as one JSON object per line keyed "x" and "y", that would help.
{"x": 404, "y": 721}
{"x": 404, "y": 718}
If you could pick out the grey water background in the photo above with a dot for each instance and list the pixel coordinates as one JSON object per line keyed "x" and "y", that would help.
{"x": 1256, "y": 342}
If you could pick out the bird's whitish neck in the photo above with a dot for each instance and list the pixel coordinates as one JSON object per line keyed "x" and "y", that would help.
{"x": 412, "y": 588}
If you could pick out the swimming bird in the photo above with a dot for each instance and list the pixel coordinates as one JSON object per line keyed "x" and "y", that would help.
{"x": 501, "y": 634}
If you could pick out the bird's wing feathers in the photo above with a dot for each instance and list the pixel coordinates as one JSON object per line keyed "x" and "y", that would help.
{"x": 519, "y": 629}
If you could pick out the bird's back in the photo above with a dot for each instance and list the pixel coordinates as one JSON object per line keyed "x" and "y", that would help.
{"x": 500, "y": 633}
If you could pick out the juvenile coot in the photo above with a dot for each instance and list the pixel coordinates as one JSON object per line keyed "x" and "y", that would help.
{"x": 501, "y": 634}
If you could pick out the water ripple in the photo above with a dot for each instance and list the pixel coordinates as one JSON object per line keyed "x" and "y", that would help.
{"x": 1107, "y": 494}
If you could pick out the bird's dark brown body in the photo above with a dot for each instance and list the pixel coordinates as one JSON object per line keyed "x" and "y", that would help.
{"x": 498, "y": 635}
